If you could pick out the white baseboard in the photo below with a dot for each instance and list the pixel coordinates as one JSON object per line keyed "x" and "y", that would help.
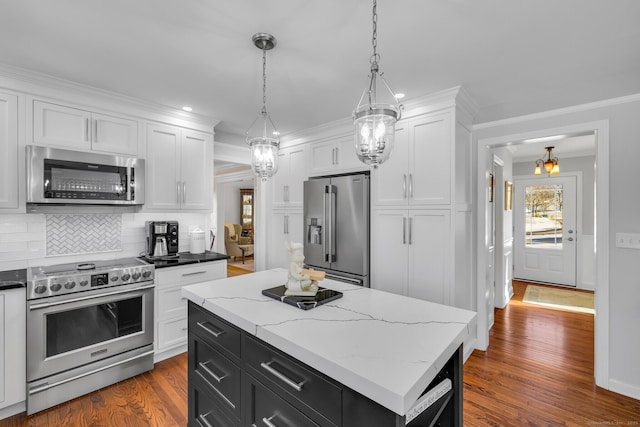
{"x": 165, "y": 354}
{"x": 624, "y": 388}
{"x": 12, "y": 410}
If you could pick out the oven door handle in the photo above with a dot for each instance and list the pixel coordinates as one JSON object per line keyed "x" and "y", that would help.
{"x": 47, "y": 386}
{"x": 108, "y": 294}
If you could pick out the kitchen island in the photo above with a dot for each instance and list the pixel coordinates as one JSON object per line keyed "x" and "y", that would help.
{"x": 368, "y": 357}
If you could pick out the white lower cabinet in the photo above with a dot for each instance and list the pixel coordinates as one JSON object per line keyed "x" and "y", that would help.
{"x": 285, "y": 226}
{"x": 411, "y": 253}
{"x": 13, "y": 351}
{"x": 171, "y": 307}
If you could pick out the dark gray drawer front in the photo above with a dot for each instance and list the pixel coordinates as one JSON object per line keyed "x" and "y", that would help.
{"x": 203, "y": 411}
{"x": 220, "y": 374}
{"x": 214, "y": 330}
{"x": 295, "y": 379}
{"x": 269, "y": 410}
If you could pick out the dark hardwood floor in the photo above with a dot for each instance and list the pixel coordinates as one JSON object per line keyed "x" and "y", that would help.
{"x": 538, "y": 371}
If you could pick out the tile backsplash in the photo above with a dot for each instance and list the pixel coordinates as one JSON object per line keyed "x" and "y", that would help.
{"x": 83, "y": 233}
{"x": 45, "y": 239}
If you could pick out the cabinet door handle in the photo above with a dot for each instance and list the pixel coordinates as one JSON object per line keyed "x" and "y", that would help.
{"x": 411, "y": 185}
{"x": 211, "y": 373}
{"x": 337, "y": 155}
{"x": 285, "y": 195}
{"x": 404, "y": 231}
{"x": 202, "y": 420}
{"x": 192, "y": 274}
{"x": 410, "y": 230}
{"x": 404, "y": 186}
{"x": 184, "y": 192}
{"x": 204, "y": 326}
{"x": 288, "y": 381}
{"x": 95, "y": 130}
{"x": 178, "y": 192}
{"x": 267, "y": 421}
{"x": 86, "y": 129}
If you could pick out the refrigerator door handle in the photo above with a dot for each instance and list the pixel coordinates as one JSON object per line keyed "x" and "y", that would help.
{"x": 330, "y": 192}
{"x": 327, "y": 224}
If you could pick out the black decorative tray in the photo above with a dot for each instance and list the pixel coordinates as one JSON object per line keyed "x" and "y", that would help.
{"x": 323, "y": 296}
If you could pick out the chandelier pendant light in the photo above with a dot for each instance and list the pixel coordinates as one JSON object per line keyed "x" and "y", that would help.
{"x": 376, "y": 113}
{"x": 262, "y": 136}
{"x": 550, "y": 165}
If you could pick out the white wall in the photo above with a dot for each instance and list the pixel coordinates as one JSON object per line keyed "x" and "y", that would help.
{"x": 619, "y": 291}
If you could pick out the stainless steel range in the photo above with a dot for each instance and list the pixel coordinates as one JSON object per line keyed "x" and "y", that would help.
{"x": 89, "y": 325}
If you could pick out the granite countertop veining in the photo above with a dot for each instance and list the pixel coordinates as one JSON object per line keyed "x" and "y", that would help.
{"x": 385, "y": 346}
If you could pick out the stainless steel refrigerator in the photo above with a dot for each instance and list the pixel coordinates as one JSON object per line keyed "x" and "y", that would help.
{"x": 336, "y": 226}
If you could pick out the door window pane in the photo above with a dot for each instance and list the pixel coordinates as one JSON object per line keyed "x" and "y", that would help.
{"x": 543, "y": 216}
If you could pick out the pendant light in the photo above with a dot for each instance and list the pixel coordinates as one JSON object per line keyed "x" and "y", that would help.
{"x": 376, "y": 113}
{"x": 551, "y": 165}
{"x": 262, "y": 136}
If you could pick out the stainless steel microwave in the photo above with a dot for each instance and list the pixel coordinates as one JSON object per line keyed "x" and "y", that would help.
{"x": 56, "y": 176}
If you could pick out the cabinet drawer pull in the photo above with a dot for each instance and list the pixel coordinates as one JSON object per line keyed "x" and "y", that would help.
{"x": 202, "y": 420}
{"x": 218, "y": 392}
{"x": 267, "y": 421}
{"x": 204, "y": 326}
{"x": 267, "y": 367}
{"x": 193, "y": 273}
{"x": 210, "y": 372}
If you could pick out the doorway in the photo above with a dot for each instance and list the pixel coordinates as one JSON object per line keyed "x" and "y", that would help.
{"x": 545, "y": 227}
{"x": 484, "y": 164}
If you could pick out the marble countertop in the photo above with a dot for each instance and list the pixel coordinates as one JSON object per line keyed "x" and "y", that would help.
{"x": 385, "y": 346}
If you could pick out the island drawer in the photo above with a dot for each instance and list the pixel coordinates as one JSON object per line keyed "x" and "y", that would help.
{"x": 295, "y": 379}
{"x": 268, "y": 409}
{"x": 215, "y": 331}
{"x": 204, "y": 410}
{"x": 221, "y": 375}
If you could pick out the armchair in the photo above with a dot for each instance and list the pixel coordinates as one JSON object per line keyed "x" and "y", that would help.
{"x": 236, "y": 245}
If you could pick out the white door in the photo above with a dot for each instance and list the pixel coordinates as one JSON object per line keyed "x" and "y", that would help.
{"x": 163, "y": 175}
{"x": 545, "y": 212}
{"x": 196, "y": 170}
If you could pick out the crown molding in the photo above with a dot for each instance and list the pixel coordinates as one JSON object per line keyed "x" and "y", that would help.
{"x": 559, "y": 112}
{"x": 43, "y": 85}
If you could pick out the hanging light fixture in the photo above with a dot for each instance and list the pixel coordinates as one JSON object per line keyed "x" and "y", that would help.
{"x": 376, "y": 114}
{"x": 262, "y": 136}
{"x": 551, "y": 165}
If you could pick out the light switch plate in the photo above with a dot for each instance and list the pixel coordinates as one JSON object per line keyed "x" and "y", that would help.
{"x": 628, "y": 240}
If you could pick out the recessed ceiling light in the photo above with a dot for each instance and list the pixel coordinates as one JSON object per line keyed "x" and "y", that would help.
{"x": 399, "y": 95}
{"x": 188, "y": 109}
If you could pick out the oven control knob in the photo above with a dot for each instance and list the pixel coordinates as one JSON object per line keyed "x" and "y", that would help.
{"x": 146, "y": 274}
{"x": 136, "y": 276}
{"x": 84, "y": 282}
{"x": 56, "y": 287}
{"x": 114, "y": 278}
{"x": 40, "y": 289}
{"x": 70, "y": 285}
{"x": 125, "y": 277}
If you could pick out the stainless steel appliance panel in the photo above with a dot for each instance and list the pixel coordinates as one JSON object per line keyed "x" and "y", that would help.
{"x": 316, "y": 232}
{"x": 56, "y": 176}
{"x": 66, "y": 331}
{"x": 336, "y": 221}
{"x": 350, "y": 221}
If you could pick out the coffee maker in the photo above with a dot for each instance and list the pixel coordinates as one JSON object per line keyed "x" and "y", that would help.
{"x": 162, "y": 238}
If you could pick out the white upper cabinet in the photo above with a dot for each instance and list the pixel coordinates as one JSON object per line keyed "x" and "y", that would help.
{"x": 74, "y": 128}
{"x": 292, "y": 172}
{"x": 8, "y": 151}
{"x": 335, "y": 156}
{"x": 179, "y": 165}
{"x": 286, "y": 225}
{"x": 418, "y": 173}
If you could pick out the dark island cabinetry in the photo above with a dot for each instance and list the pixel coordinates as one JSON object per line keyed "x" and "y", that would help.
{"x": 236, "y": 379}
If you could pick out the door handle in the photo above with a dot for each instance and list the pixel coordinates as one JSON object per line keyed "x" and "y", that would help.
{"x": 404, "y": 231}
{"x": 404, "y": 186}
{"x": 411, "y": 186}
{"x": 570, "y": 239}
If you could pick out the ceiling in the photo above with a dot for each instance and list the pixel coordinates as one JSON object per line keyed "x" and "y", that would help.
{"x": 513, "y": 57}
